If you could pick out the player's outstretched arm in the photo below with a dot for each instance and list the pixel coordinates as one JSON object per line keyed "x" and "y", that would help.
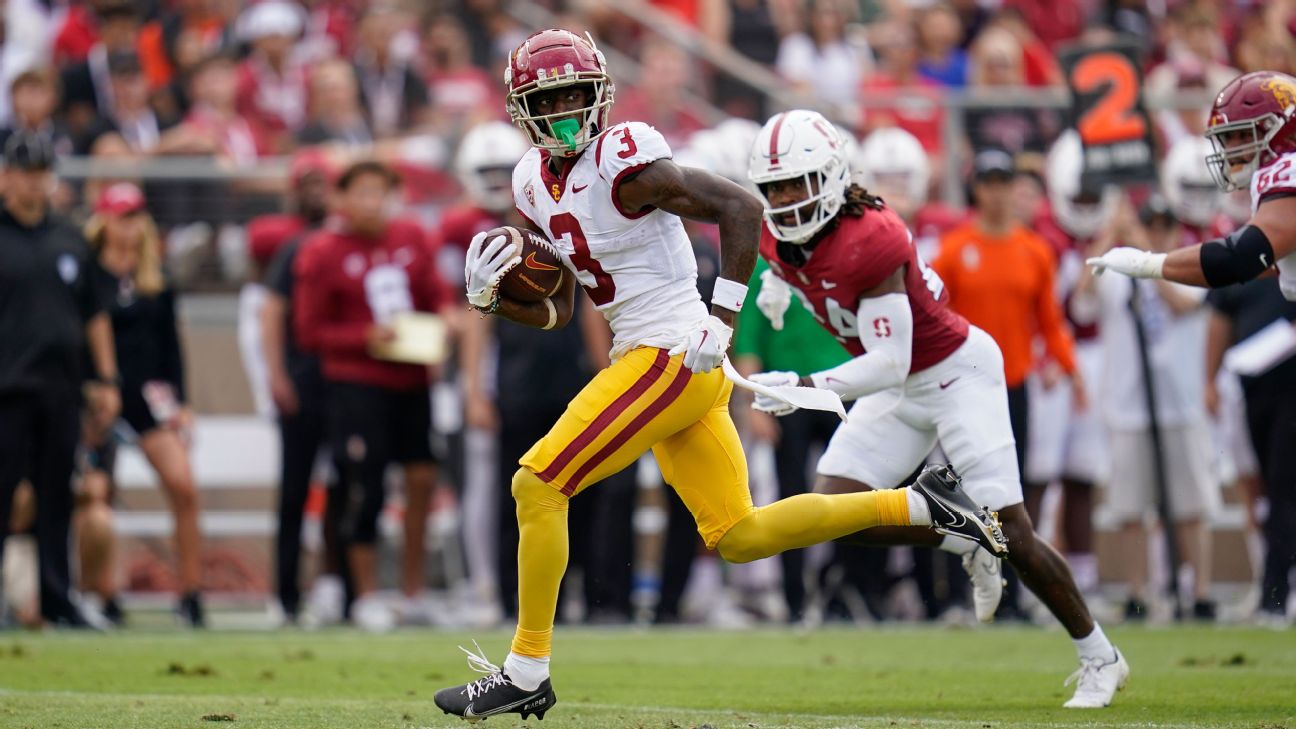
{"x": 700, "y": 195}
{"x": 1246, "y": 253}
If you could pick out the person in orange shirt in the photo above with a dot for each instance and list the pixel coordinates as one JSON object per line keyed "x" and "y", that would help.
{"x": 1000, "y": 277}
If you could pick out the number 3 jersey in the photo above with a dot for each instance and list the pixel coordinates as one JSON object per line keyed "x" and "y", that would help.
{"x": 858, "y": 255}
{"x": 636, "y": 265}
{"x": 1274, "y": 180}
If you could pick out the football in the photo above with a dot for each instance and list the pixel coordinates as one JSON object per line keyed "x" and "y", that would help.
{"x": 539, "y": 275}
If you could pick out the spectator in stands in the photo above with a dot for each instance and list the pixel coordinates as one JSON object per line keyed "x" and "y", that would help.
{"x": 1264, "y": 47}
{"x": 52, "y": 320}
{"x": 940, "y": 33}
{"x": 272, "y": 79}
{"x": 1169, "y": 321}
{"x": 920, "y": 112}
{"x": 297, "y": 388}
{"x": 394, "y": 93}
{"x": 147, "y": 338}
{"x": 1001, "y": 276}
{"x": 658, "y": 98}
{"x": 1195, "y": 64}
{"x": 996, "y": 64}
{"x": 751, "y": 28}
{"x": 336, "y": 116}
{"x": 213, "y": 125}
{"x": 131, "y": 116}
{"x": 351, "y": 281}
{"x": 823, "y": 63}
{"x": 1239, "y": 313}
{"x": 34, "y": 96}
{"x": 330, "y": 29}
{"x": 87, "y": 90}
{"x": 1040, "y": 67}
{"x": 464, "y": 94}
{"x": 177, "y": 41}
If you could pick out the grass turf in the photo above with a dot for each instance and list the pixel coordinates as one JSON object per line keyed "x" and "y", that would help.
{"x": 999, "y": 678}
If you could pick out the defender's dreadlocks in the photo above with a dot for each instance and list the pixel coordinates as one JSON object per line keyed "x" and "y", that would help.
{"x": 858, "y": 200}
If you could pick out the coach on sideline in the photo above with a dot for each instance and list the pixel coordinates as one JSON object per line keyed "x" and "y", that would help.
{"x": 50, "y": 313}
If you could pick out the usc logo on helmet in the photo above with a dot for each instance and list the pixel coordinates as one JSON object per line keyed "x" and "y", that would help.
{"x": 1283, "y": 90}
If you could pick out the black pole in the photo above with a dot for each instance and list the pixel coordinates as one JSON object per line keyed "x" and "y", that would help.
{"x": 1158, "y": 451}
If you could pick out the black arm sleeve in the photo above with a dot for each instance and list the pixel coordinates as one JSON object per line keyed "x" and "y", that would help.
{"x": 169, "y": 341}
{"x": 1239, "y": 256}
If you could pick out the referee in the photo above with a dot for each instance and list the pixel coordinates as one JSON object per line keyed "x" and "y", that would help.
{"x": 50, "y": 317}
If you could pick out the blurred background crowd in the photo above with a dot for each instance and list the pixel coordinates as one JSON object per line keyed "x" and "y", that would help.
{"x": 199, "y": 142}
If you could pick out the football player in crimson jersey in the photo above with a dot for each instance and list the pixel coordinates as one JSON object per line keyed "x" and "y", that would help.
{"x": 920, "y": 373}
{"x": 1252, "y": 127}
{"x": 610, "y": 199}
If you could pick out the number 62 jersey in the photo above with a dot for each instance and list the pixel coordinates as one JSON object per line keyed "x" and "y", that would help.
{"x": 858, "y": 255}
{"x": 637, "y": 266}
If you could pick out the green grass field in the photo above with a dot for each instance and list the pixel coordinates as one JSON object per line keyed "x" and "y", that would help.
{"x": 907, "y": 678}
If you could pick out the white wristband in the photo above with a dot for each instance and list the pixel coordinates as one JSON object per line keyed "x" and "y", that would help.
{"x": 553, "y": 314}
{"x": 729, "y": 294}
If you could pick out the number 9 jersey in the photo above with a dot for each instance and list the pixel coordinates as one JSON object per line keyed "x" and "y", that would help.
{"x": 636, "y": 265}
{"x": 858, "y": 255}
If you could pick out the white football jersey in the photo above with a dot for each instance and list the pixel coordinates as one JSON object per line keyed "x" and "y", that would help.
{"x": 638, "y": 268}
{"x": 1278, "y": 176}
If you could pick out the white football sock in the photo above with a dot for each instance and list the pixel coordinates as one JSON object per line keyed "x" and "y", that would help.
{"x": 525, "y": 672}
{"x": 919, "y": 514}
{"x": 1095, "y": 645}
{"x": 957, "y": 545}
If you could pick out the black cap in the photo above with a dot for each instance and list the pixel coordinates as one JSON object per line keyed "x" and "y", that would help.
{"x": 993, "y": 162}
{"x": 27, "y": 150}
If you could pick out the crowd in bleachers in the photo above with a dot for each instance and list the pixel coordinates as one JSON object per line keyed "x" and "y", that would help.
{"x": 236, "y": 85}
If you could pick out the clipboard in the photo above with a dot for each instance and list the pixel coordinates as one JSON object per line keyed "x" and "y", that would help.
{"x": 421, "y": 339}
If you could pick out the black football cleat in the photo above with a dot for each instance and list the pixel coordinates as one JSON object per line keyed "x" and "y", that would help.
{"x": 952, "y": 512}
{"x": 494, "y": 694}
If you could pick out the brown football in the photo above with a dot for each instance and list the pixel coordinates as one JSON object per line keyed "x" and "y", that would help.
{"x": 539, "y": 275}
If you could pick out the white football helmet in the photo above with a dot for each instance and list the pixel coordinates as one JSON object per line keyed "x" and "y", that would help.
{"x": 1187, "y": 182}
{"x": 801, "y": 144}
{"x": 485, "y": 162}
{"x": 893, "y": 165}
{"x": 725, "y": 149}
{"x": 1082, "y": 217}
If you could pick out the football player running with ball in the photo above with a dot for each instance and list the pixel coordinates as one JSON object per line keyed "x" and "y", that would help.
{"x": 920, "y": 374}
{"x": 1252, "y": 127}
{"x": 610, "y": 199}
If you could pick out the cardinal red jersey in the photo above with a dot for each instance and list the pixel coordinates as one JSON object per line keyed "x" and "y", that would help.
{"x": 858, "y": 255}
{"x": 346, "y": 283}
{"x": 460, "y": 224}
{"x": 1219, "y": 226}
{"x": 930, "y": 223}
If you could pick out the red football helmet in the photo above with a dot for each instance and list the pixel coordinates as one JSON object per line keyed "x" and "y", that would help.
{"x": 1252, "y": 123}
{"x": 550, "y": 59}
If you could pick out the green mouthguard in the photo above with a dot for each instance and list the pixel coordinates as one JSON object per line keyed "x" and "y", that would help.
{"x": 565, "y": 131}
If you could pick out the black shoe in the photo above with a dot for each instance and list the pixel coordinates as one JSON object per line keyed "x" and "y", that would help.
{"x": 494, "y": 694}
{"x": 952, "y": 512}
{"x": 112, "y": 610}
{"x": 1204, "y": 610}
{"x": 1135, "y": 609}
{"x": 189, "y": 611}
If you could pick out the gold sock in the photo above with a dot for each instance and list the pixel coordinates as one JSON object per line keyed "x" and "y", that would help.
{"x": 806, "y": 519}
{"x": 542, "y": 561}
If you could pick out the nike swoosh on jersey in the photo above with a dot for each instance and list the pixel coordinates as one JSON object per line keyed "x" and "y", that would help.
{"x": 531, "y": 263}
{"x": 828, "y": 284}
{"x": 578, "y": 188}
{"x": 944, "y": 385}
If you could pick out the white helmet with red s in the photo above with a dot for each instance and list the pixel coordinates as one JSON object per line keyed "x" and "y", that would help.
{"x": 801, "y": 144}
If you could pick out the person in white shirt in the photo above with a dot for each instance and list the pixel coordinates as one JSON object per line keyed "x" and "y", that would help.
{"x": 1173, "y": 321}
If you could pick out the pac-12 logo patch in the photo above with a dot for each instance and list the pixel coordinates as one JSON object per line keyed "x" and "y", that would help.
{"x": 529, "y": 191}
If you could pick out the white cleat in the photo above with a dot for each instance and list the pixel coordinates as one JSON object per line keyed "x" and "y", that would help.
{"x": 372, "y": 615}
{"x": 1097, "y": 681}
{"x": 986, "y": 572}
